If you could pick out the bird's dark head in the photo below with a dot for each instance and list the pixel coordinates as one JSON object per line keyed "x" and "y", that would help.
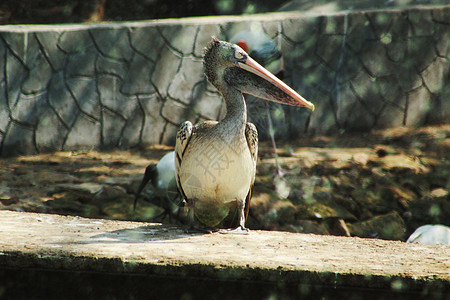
{"x": 229, "y": 66}
{"x": 151, "y": 173}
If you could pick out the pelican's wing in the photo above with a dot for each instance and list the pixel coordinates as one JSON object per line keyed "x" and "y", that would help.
{"x": 183, "y": 138}
{"x": 251, "y": 134}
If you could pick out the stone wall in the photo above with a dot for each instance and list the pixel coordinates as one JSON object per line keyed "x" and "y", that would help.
{"x": 112, "y": 85}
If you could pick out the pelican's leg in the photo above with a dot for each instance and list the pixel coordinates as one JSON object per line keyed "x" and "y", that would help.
{"x": 193, "y": 228}
{"x": 191, "y": 216}
{"x": 241, "y": 229}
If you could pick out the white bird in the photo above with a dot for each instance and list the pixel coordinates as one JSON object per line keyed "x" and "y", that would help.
{"x": 431, "y": 235}
{"x": 162, "y": 177}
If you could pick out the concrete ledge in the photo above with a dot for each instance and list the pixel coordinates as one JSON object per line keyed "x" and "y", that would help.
{"x": 52, "y": 255}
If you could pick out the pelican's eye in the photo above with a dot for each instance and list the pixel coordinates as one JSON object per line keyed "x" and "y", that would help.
{"x": 239, "y": 54}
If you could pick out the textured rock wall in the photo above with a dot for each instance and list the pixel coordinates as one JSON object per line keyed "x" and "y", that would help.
{"x": 106, "y": 85}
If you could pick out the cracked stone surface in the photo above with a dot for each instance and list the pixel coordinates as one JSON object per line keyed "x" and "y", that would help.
{"x": 69, "y": 87}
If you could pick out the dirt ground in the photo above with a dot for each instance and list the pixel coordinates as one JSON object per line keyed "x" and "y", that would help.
{"x": 382, "y": 184}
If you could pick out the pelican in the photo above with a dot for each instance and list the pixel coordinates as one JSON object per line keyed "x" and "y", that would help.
{"x": 215, "y": 162}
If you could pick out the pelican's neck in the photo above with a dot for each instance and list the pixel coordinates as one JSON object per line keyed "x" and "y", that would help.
{"x": 236, "y": 116}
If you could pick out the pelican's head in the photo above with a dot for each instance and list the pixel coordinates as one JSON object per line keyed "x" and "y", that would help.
{"x": 229, "y": 66}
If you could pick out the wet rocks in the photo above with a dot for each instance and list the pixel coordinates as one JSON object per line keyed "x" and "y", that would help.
{"x": 389, "y": 226}
{"x": 384, "y": 191}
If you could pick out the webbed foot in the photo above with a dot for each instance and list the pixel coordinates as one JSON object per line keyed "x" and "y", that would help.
{"x": 238, "y": 230}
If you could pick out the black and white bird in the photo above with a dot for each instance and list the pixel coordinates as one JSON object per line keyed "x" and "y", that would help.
{"x": 162, "y": 178}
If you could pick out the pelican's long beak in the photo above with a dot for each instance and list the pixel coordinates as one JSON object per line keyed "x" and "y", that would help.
{"x": 252, "y": 66}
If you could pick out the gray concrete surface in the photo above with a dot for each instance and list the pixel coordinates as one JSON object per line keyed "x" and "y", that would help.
{"x": 30, "y": 241}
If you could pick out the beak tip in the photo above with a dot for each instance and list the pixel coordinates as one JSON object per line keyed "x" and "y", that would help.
{"x": 309, "y": 105}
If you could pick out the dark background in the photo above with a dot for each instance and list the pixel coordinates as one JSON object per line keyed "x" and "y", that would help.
{"x": 68, "y": 11}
